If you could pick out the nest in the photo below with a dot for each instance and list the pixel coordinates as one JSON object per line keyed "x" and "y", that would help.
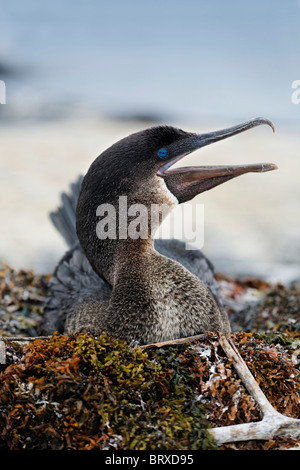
{"x": 80, "y": 392}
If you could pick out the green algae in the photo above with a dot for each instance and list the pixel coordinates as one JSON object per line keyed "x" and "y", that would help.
{"x": 78, "y": 392}
{"x": 281, "y": 338}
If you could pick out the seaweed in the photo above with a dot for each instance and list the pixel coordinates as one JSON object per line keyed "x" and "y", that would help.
{"x": 22, "y": 297}
{"x": 78, "y": 392}
{"x": 275, "y": 368}
{"x": 219, "y": 388}
{"x": 255, "y": 305}
{"x": 81, "y": 392}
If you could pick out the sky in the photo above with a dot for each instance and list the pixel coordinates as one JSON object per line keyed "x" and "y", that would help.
{"x": 190, "y": 63}
{"x": 189, "y": 59}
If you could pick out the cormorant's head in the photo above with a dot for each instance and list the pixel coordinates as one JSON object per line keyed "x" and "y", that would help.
{"x": 134, "y": 165}
{"x": 187, "y": 182}
{"x": 140, "y": 167}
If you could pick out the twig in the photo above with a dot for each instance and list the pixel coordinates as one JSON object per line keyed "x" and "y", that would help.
{"x": 23, "y": 339}
{"x": 172, "y": 342}
{"x": 272, "y": 425}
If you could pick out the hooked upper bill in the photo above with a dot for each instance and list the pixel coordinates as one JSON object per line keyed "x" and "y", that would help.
{"x": 207, "y": 177}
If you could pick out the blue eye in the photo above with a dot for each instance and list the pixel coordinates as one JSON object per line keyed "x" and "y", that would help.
{"x": 163, "y": 153}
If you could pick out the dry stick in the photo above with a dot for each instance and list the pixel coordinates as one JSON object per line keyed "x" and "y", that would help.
{"x": 172, "y": 342}
{"x": 23, "y": 339}
{"x": 272, "y": 425}
{"x": 2, "y": 353}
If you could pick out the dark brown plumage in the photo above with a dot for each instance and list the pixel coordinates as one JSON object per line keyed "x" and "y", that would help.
{"x": 130, "y": 287}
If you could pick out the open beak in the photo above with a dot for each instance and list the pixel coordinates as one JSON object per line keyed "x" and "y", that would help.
{"x": 185, "y": 183}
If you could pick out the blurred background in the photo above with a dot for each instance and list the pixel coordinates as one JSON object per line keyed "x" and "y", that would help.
{"x": 80, "y": 75}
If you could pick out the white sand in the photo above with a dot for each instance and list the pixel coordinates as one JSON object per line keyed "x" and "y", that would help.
{"x": 252, "y": 220}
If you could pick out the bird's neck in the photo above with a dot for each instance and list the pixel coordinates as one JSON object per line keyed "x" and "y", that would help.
{"x": 115, "y": 257}
{"x": 113, "y": 234}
